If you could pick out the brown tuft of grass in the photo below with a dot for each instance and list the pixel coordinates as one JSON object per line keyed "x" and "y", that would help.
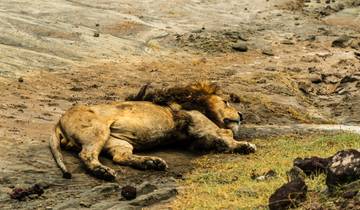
{"x": 223, "y": 181}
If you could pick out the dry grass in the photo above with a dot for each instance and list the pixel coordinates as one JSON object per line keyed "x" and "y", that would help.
{"x": 223, "y": 181}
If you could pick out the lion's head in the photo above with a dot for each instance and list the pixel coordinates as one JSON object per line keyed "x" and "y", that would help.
{"x": 202, "y": 96}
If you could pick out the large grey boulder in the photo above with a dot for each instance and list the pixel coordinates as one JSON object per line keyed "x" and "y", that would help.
{"x": 344, "y": 168}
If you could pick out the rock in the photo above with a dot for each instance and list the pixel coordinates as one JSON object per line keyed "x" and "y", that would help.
{"x": 349, "y": 79}
{"x": 344, "y": 168}
{"x": 289, "y": 195}
{"x": 313, "y": 165}
{"x": 310, "y": 38}
{"x": 306, "y": 87}
{"x": 287, "y": 42}
{"x": 330, "y": 79}
{"x": 106, "y": 188}
{"x": 156, "y": 196}
{"x": 341, "y": 42}
{"x": 85, "y": 204}
{"x": 262, "y": 177}
{"x": 128, "y": 192}
{"x": 146, "y": 188}
{"x": 268, "y": 51}
{"x": 96, "y": 34}
{"x": 316, "y": 78}
{"x": 240, "y": 46}
{"x": 21, "y": 79}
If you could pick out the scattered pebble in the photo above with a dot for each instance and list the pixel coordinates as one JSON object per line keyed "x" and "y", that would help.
{"x": 341, "y": 42}
{"x": 128, "y": 192}
{"x": 240, "y": 46}
{"x": 287, "y": 42}
{"x": 268, "y": 51}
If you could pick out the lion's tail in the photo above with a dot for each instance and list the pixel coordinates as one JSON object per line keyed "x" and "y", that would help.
{"x": 56, "y": 150}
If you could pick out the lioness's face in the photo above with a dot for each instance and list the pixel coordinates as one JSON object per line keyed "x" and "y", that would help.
{"x": 224, "y": 115}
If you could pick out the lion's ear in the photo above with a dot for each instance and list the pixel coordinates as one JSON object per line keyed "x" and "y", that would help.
{"x": 234, "y": 98}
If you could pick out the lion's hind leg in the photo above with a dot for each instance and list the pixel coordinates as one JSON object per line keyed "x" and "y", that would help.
{"x": 92, "y": 143}
{"x": 122, "y": 154}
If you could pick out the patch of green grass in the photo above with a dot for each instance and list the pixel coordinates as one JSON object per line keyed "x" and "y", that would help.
{"x": 223, "y": 181}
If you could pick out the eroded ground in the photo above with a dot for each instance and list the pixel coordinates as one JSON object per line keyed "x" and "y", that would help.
{"x": 58, "y": 53}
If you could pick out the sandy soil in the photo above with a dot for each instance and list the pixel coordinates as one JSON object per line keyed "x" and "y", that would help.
{"x": 55, "y": 54}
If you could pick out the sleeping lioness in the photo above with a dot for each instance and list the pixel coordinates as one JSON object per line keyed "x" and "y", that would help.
{"x": 196, "y": 113}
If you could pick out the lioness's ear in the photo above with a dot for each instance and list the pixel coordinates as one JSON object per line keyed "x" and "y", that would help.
{"x": 234, "y": 98}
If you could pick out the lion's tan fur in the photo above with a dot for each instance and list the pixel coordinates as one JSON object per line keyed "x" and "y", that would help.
{"x": 121, "y": 127}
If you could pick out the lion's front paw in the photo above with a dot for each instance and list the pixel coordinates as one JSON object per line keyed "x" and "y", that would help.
{"x": 104, "y": 172}
{"x": 155, "y": 163}
{"x": 245, "y": 148}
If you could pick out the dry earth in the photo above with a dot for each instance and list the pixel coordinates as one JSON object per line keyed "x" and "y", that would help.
{"x": 58, "y": 53}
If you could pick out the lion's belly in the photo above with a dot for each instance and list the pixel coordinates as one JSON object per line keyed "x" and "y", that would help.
{"x": 144, "y": 126}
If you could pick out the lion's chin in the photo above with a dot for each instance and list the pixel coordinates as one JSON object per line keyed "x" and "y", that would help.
{"x": 235, "y": 128}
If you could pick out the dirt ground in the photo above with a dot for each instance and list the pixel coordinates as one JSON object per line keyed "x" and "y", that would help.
{"x": 302, "y": 65}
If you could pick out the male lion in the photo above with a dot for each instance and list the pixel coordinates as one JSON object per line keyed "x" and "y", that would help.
{"x": 169, "y": 116}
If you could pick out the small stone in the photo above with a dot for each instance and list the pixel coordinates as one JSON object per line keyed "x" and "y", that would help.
{"x": 128, "y": 192}
{"x": 341, "y": 42}
{"x": 240, "y": 46}
{"x": 310, "y": 38}
{"x": 287, "y": 42}
{"x": 316, "y": 79}
{"x": 96, "y": 34}
{"x": 268, "y": 51}
{"x": 21, "y": 79}
{"x": 330, "y": 79}
{"x": 85, "y": 204}
{"x": 349, "y": 79}
{"x": 289, "y": 195}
